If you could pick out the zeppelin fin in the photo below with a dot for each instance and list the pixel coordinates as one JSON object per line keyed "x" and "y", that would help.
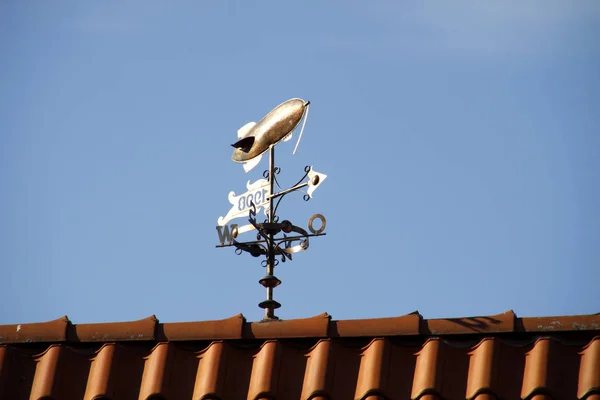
{"x": 249, "y": 165}
{"x": 288, "y": 137}
{"x": 244, "y": 130}
{"x": 302, "y": 129}
{"x": 245, "y": 144}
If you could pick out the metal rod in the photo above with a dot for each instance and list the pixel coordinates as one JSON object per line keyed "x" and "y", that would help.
{"x": 269, "y": 311}
{"x": 286, "y": 191}
{"x": 271, "y": 179}
{"x": 276, "y": 240}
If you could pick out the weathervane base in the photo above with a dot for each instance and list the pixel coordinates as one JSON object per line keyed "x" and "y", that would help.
{"x": 270, "y": 319}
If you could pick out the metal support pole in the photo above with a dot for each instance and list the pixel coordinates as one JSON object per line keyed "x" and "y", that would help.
{"x": 270, "y": 311}
{"x": 271, "y": 180}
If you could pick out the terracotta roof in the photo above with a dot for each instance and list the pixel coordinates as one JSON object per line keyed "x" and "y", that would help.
{"x": 492, "y": 357}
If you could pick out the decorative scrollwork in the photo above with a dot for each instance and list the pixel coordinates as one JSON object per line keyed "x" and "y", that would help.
{"x": 306, "y": 170}
{"x": 253, "y": 209}
{"x": 277, "y": 170}
{"x": 254, "y": 249}
{"x": 277, "y": 204}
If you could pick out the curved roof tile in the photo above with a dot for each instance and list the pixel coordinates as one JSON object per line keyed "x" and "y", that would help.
{"x": 495, "y": 357}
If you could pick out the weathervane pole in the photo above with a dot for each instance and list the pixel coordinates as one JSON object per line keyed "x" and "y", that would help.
{"x": 270, "y": 311}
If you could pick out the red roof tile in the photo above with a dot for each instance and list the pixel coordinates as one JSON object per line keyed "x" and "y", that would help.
{"x": 51, "y": 331}
{"x": 494, "y": 323}
{"x": 493, "y": 357}
{"x": 230, "y": 328}
{"x": 116, "y": 331}
{"x": 296, "y": 328}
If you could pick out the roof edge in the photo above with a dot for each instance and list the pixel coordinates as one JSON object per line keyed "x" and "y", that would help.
{"x": 319, "y": 326}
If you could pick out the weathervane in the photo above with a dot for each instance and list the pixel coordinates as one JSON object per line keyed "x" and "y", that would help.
{"x": 255, "y": 139}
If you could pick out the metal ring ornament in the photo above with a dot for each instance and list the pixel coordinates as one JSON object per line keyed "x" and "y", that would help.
{"x": 238, "y": 251}
{"x": 306, "y": 197}
{"x": 323, "y": 224}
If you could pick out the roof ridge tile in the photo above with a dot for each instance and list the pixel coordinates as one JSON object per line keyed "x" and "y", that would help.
{"x": 229, "y": 328}
{"x": 584, "y": 322}
{"x": 143, "y": 329}
{"x": 317, "y": 327}
{"x": 403, "y": 325}
{"x": 504, "y": 322}
{"x": 49, "y": 331}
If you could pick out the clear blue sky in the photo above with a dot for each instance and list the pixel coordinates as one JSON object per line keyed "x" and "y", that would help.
{"x": 461, "y": 142}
